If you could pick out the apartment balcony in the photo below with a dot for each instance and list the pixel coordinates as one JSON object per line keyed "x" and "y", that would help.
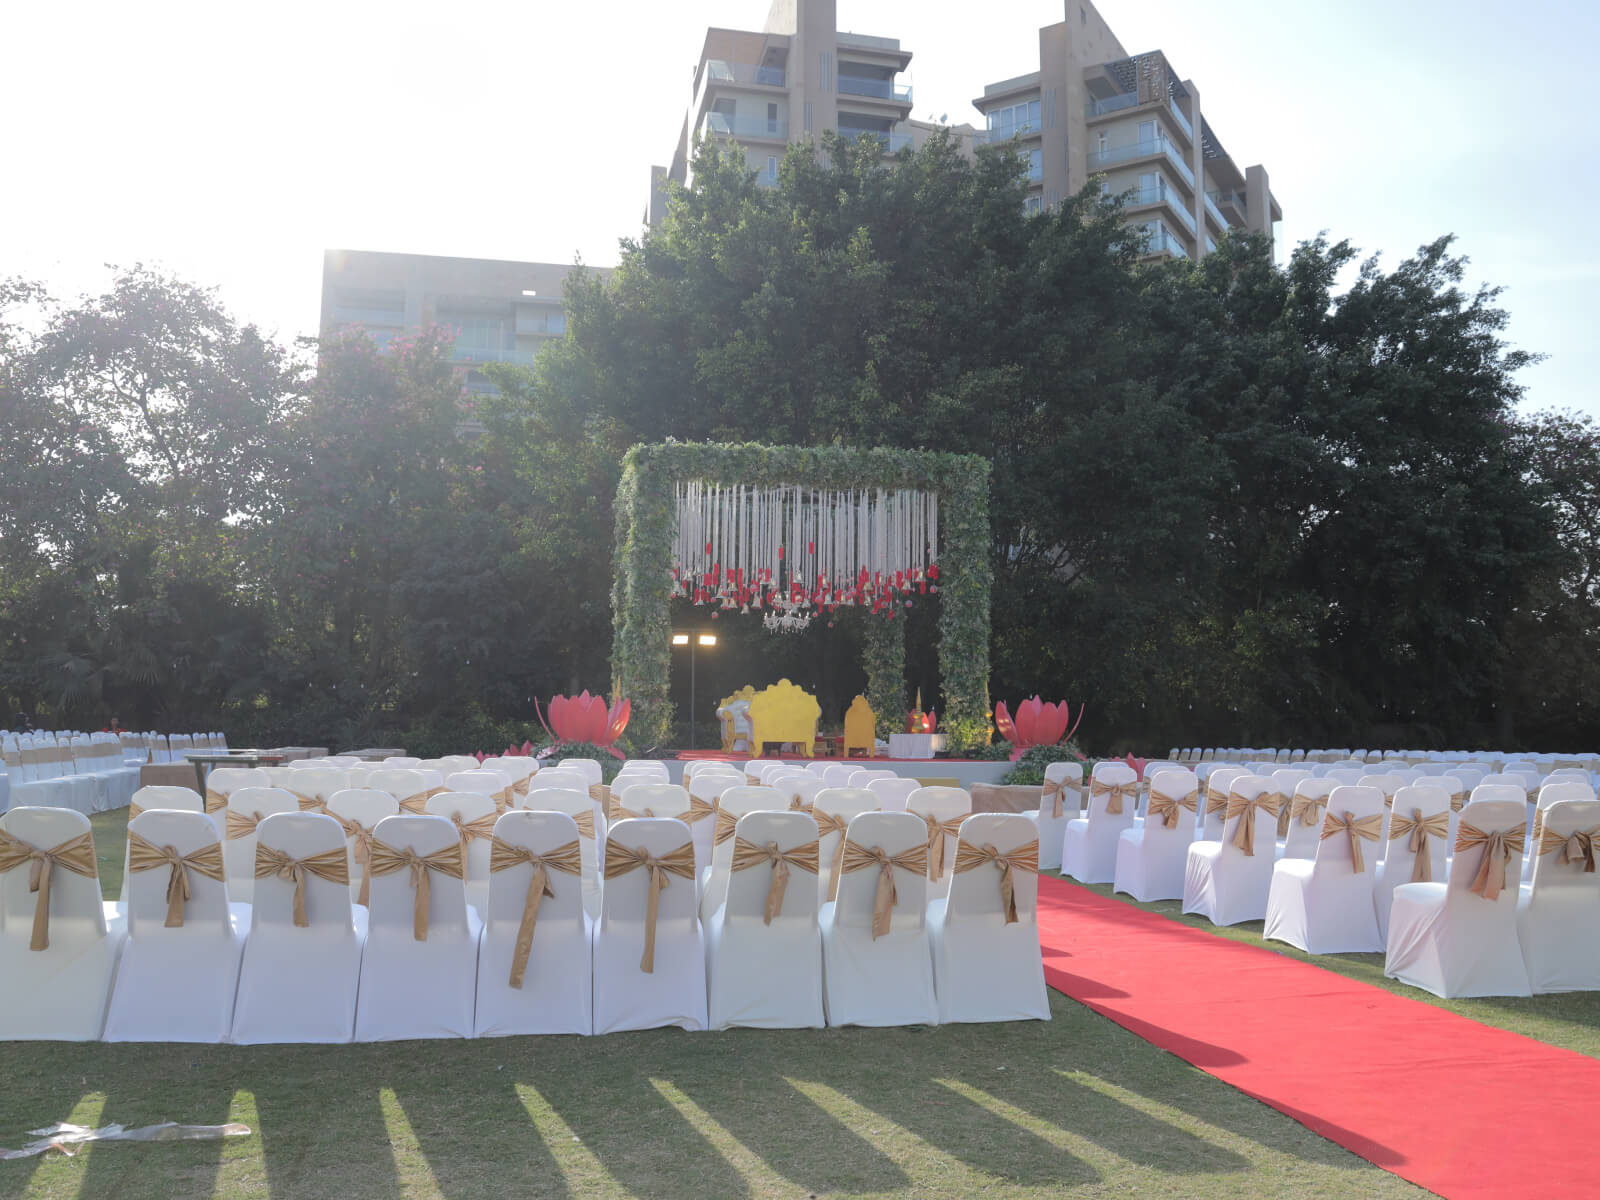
{"x": 475, "y": 355}
{"x": 1142, "y": 197}
{"x": 1230, "y": 202}
{"x": 718, "y": 71}
{"x": 1159, "y": 147}
{"x": 892, "y": 141}
{"x": 1161, "y": 242}
{"x": 761, "y": 129}
{"x": 1214, "y": 212}
{"x": 877, "y": 89}
{"x": 1126, "y": 101}
{"x": 1002, "y": 135}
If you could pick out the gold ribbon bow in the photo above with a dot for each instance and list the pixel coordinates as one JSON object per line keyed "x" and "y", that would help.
{"x": 1024, "y": 858}
{"x": 1498, "y": 847}
{"x": 387, "y": 859}
{"x": 585, "y": 823}
{"x": 479, "y": 829}
{"x": 1115, "y": 792}
{"x": 699, "y": 810}
{"x": 521, "y": 786}
{"x": 566, "y": 858}
{"x": 747, "y": 854}
{"x": 600, "y": 793}
{"x": 1308, "y": 809}
{"x": 76, "y": 854}
{"x": 331, "y": 865}
{"x": 797, "y": 803}
{"x": 618, "y": 813}
{"x": 1458, "y": 800}
{"x": 621, "y": 859}
{"x": 215, "y": 801}
{"x": 1161, "y": 805}
{"x": 829, "y": 823}
{"x": 504, "y": 798}
{"x": 858, "y": 858}
{"x": 724, "y": 827}
{"x": 418, "y": 802}
{"x": 145, "y": 855}
{"x": 1355, "y": 828}
{"x": 937, "y": 831}
{"x": 1244, "y": 835}
{"x": 1055, "y": 789}
{"x": 361, "y": 850}
{"x": 1420, "y": 829}
{"x": 1285, "y": 810}
{"x": 752, "y": 780}
{"x": 243, "y": 824}
{"x": 1216, "y": 802}
{"x": 1577, "y": 846}
{"x": 309, "y": 803}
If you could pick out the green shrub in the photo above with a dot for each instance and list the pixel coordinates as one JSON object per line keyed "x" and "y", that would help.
{"x": 556, "y": 751}
{"x": 1029, "y": 770}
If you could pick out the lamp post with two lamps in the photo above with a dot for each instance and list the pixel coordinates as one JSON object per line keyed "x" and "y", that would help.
{"x": 694, "y": 641}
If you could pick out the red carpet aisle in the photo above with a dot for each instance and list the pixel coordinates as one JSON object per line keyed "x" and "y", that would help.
{"x": 1452, "y": 1105}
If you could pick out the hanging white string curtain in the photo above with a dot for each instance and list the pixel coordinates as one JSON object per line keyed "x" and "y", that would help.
{"x": 738, "y": 546}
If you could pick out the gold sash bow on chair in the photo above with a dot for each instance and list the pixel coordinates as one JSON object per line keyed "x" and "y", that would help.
{"x": 1244, "y": 835}
{"x": 1498, "y": 847}
{"x": 600, "y": 793}
{"x": 309, "y": 803}
{"x": 829, "y": 823}
{"x": 1420, "y": 829}
{"x": 1161, "y": 805}
{"x": 585, "y": 823}
{"x": 699, "y": 810}
{"x": 418, "y": 802}
{"x": 618, "y": 813}
{"x": 1355, "y": 828}
{"x": 504, "y": 799}
{"x": 752, "y": 780}
{"x": 937, "y": 831}
{"x": 1114, "y": 793}
{"x": 76, "y": 854}
{"x": 747, "y": 854}
{"x": 1458, "y": 800}
{"x": 1285, "y": 811}
{"x": 1055, "y": 789}
{"x": 360, "y": 850}
{"x": 1216, "y": 802}
{"x": 521, "y": 786}
{"x": 479, "y": 829}
{"x": 216, "y": 801}
{"x": 1024, "y": 858}
{"x": 621, "y": 859}
{"x": 724, "y": 827}
{"x": 145, "y": 855}
{"x": 387, "y": 859}
{"x": 567, "y": 858}
{"x": 797, "y": 803}
{"x": 1575, "y": 847}
{"x": 331, "y": 865}
{"x": 242, "y": 824}
{"x": 1308, "y": 809}
{"x": 859, "y": 858}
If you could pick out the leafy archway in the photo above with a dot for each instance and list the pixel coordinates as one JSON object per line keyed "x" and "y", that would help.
{"x": 643, "y": 583}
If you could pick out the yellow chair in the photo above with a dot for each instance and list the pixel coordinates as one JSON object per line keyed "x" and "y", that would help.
{"x": 732, "y": 736}
{"x": 784, "y": 712}
{"x": 860, "y": 728}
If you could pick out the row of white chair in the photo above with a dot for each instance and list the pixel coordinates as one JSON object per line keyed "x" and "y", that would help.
{"x": 1190, "y": 755}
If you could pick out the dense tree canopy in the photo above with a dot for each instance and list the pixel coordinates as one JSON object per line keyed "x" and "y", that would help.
{"x": 1231, "y": 500}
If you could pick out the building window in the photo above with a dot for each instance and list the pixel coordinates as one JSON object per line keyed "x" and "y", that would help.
{"x": 772, "y": 118}
{"x": 772, "y": 168}
{"x": 1033, "y": 205}
{"x": 1013, "y": 119}
{"x": 1035, "y": 160}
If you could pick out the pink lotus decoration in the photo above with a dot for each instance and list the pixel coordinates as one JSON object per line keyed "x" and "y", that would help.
{"x": 586, "y": 718}
{"x": 1138, "y": 765}
{"x": 1037, "y": 724}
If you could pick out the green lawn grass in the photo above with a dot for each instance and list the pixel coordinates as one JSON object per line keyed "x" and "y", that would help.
{"x": 1076, "y": 1107}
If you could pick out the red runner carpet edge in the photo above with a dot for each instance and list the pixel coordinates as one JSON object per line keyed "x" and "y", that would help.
{"x": 1461, "y": 1108}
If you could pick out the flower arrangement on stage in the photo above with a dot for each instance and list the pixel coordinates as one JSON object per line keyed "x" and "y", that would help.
{"x": 585, "y": 718}
{"x": 1036, "y": 724}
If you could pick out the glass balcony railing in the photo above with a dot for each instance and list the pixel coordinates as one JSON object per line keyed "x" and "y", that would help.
{"x": 1211, "y": 244}
{"x": 881, "y": 89}
{"x": 722, "y": 125}
{"x": 1178, "y": 115}
{"x": 1114, "y": 104}
{"x": 892, "y": 141}
{"x": 483, "y": 354}
{"x": 1112, "y": 155}
{"x": 1161, "y": 241}
{"x": 718, "y": 71}
{"x": 1234, "y": 200}
{"x": 345, "y": 315}
{"x": 1003, "y": 134}
{"x": 1160, "y": 195}
{"x": 1216, "y": 213}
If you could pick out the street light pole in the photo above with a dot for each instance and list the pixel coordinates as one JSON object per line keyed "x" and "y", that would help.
{"x": 694, "y": 642}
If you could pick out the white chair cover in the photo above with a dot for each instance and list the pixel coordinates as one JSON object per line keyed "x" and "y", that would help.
{"x": 247, "y": 807}
{"x": 176, "y": 982}
{"x": 298, "y": 983}
{"x": 1063, "y": 786}
{"x": 837, "y": 775}
{"x": 473, "y": 816}
{"x": 673, "y": 991}
{"x": 1221, "y": 880}
{"x": 1550, "y": 792}
{"x": 834, "y": 808}
{"x": 408, "y": 785}
{"x": 734, "y": 803}
{"x": 892, "y": 792}
{"x": 587, "y": 767}
{"x": 1556, "y": 910}
{"x": 987, "y": 964}
{"x": 948, "y": 806}
{"x": 1452, "y": 940}
{"x": 1417, "y": 808}
{"x": 1215, "y": 780}
{"x": 1151, "y": 855}
{"x": 580, "y": 807}
{"x": 554, "y": 990}
{"x": 887, "y": 979}
{"x": 358, "y": 811}
{"x": 419, "y": 970}
{"x": 1089, "y": 846}
{"x": 1307, "y": 805}
{"x": 1325, "y": 906}
{"x": 765, "y": 971}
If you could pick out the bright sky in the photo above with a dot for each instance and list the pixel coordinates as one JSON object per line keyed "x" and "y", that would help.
{"x": 232, "y": 143}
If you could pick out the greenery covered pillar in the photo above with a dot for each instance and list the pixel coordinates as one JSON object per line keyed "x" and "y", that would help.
{"x": 883, "y": 654}
{"x": 964, "y": 607}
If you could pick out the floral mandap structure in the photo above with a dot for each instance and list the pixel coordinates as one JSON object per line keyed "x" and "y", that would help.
{"x": 585, "y": 718}
{"x": 1036, "y": 724}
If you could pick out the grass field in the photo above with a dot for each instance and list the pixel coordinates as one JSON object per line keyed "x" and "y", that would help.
{"x": 1077, "y": 1107}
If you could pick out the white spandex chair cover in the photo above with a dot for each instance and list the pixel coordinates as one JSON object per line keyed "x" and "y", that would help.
{"x": 1222, "y": 880}
{"x": 652, "y": 765}
{"x": 1062, "y": 790}
{"x": 552, "y": 990}
{"x": 473, "y": 815}
{"x": 669, "y": 800}
{"x": 834, "y": 809}
{"x": 1556, "y": 910}
{"x": 838, "y": 775}
{"x": 1152, "y": 854}
{"x": 734, "y": 803}
{"x": 987, "y": 964}
{"x": 887, "y": 979}
{"x": 1418, "y": 826}
{"x": 1324, "y": 906}
{"x": 358, "y": 811}
{"x": 1450, "y": 939}
{"x": 408, "y": 785}
{"x": 589, "y": 768}
{"x": 1306, "y": 808}
{"x": 519, "y": 767}
{"x": 575, "y": 781}
{"x": 1089, "y": 846}
{"x": 941, "y": 810}
{"x": 577, "y": 805}
{"x": 179, "y": 971}
{"x": 164, "y": 796}
{"x": 802, "y": 792}
{"x": 311, "y": 789}
{"x": 862, "y": 776}
{"x": 819, "y": 769}
{"x": 765, "y": 971}
{"x": 401, "y": 760}
{"x": 892, "y": 792}
{"x": 1214, "y": 784}
{"x": 298, "y": 983}
{"x": 494, "y": 785}
{"x": 57, "y": 992}
{"x": 247, "y": 807}
{"x": 1550, "y": 793}
{"x": 419, "y": 971}
{"x": 755, "y": 766}
{"x": 222, "y": 782}
{"x": 673, "y": 990}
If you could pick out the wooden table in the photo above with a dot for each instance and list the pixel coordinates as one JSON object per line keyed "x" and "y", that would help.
{"x": 231, "y": 758}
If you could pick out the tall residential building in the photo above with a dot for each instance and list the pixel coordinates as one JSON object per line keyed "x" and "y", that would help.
{"x": 1092, "y": 108}
{"x": 788, "y": 82}
{"x": 500, "y": 311}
